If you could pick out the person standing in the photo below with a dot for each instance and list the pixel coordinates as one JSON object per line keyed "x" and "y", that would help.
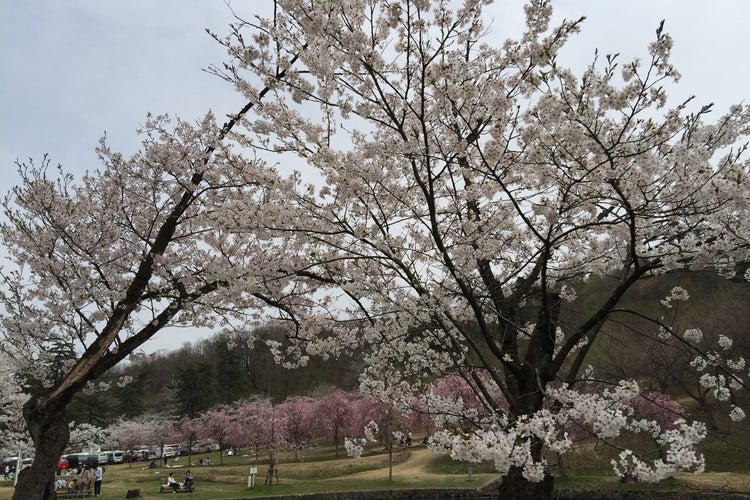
{"x": 83, "y": 485}
{"x": 98, "y": 475}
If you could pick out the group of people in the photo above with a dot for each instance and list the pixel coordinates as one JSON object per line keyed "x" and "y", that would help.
{"x": 405, "y": 440}
{"x": 78, "y": 486}
{"x": 187, "y": 482}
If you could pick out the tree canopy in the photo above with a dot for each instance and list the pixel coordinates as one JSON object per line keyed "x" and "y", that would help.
{"x": 470, "y": 184}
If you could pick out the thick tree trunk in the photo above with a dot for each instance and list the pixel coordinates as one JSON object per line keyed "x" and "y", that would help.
{"x": 516, "y": 487}
{"x": 528, "y": 384}
{"x": 50, "y": 434}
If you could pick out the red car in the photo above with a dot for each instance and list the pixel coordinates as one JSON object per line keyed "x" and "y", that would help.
{"x": 62, "y": 464}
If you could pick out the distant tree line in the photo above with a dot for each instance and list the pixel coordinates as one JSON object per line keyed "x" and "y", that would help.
{"x": 207, "y": 374}
{"x": 227, "y": 368}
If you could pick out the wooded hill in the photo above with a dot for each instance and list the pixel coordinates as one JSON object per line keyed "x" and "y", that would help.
{"x": 224, "y": 369}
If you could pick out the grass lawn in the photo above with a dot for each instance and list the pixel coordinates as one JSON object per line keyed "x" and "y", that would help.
{"x": 318, "y": 470}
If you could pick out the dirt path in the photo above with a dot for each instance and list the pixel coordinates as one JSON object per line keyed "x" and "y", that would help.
{"x": 414, "y": 470}
{"x": 414, "y": 465}
{"x": 411, "y": 469}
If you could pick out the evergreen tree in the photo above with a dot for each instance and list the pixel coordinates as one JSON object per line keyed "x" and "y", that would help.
{"x": 194, "y": 389}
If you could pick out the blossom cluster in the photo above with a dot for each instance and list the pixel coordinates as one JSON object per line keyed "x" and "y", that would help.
{"x": 523, "y": 442}
{"x": 355, "y": 447}
{"x": 716, "y": 369}
{"x": 511, "y": 444}
{"x": 14, "y": 436}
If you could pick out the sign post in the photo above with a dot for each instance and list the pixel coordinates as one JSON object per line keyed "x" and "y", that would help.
{"x": 251, "y": 477}
{"x": 18, "y": 469}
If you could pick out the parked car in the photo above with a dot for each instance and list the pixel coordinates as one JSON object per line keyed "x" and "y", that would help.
{"x": 204, "y": 447}
{"x": 135, "y": 455}
{"x": 83, "y": 459}
{"x": 168, "y": 450}
{"x": 62, "y": 464}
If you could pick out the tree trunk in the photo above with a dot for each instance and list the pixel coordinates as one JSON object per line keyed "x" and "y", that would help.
{"x": 516, "y": 487}
{"x": 271, "y": 466}
{"x": 389, "y": 444}
{"x": 49, "y": 431}
{"x": 336, "y": 441}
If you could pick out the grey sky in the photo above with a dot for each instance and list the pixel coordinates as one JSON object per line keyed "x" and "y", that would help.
{"x": 75, "y": 69}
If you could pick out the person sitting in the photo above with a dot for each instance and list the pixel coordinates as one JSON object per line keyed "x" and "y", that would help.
{"x": 173, "y": 483}
{"x": 187, "y": 483}
{"x": 72, "y": 487}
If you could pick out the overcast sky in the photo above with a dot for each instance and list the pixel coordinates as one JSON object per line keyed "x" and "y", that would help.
{"x": 75, "y": 69}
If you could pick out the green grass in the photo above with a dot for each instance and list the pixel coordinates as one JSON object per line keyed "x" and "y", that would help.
{"x": 316, "y": 471}
{"x": 443, "y": 464}
{"x": 726, "y": 455}
{"x": 612, "y": 483}
{"x": 220, "y": 483}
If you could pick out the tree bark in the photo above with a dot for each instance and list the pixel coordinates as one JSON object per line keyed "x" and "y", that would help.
{"x": 49, "y": 431}
{"x": 533, "y": 377}
{"x": 516, "y": 487}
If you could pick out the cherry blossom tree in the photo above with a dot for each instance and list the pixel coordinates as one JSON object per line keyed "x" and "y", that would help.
{"x": 299, "y": 422}
{"x": 255, "y": 419}
{"x": 102, "y": 264}
{"x": 382, "y": 423}
{"x": 14, "y": 438}
{"x": 469, "y": 188}
{"x": 189, "y": 431}
{"x": 85, "y": 436}
{"x": 216, "y": 424}
{"x": 363, "y": 411}
{"x": 334, "y": 412}
{"x": 461, "y": 396}
{"x": 128, "y": 434}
